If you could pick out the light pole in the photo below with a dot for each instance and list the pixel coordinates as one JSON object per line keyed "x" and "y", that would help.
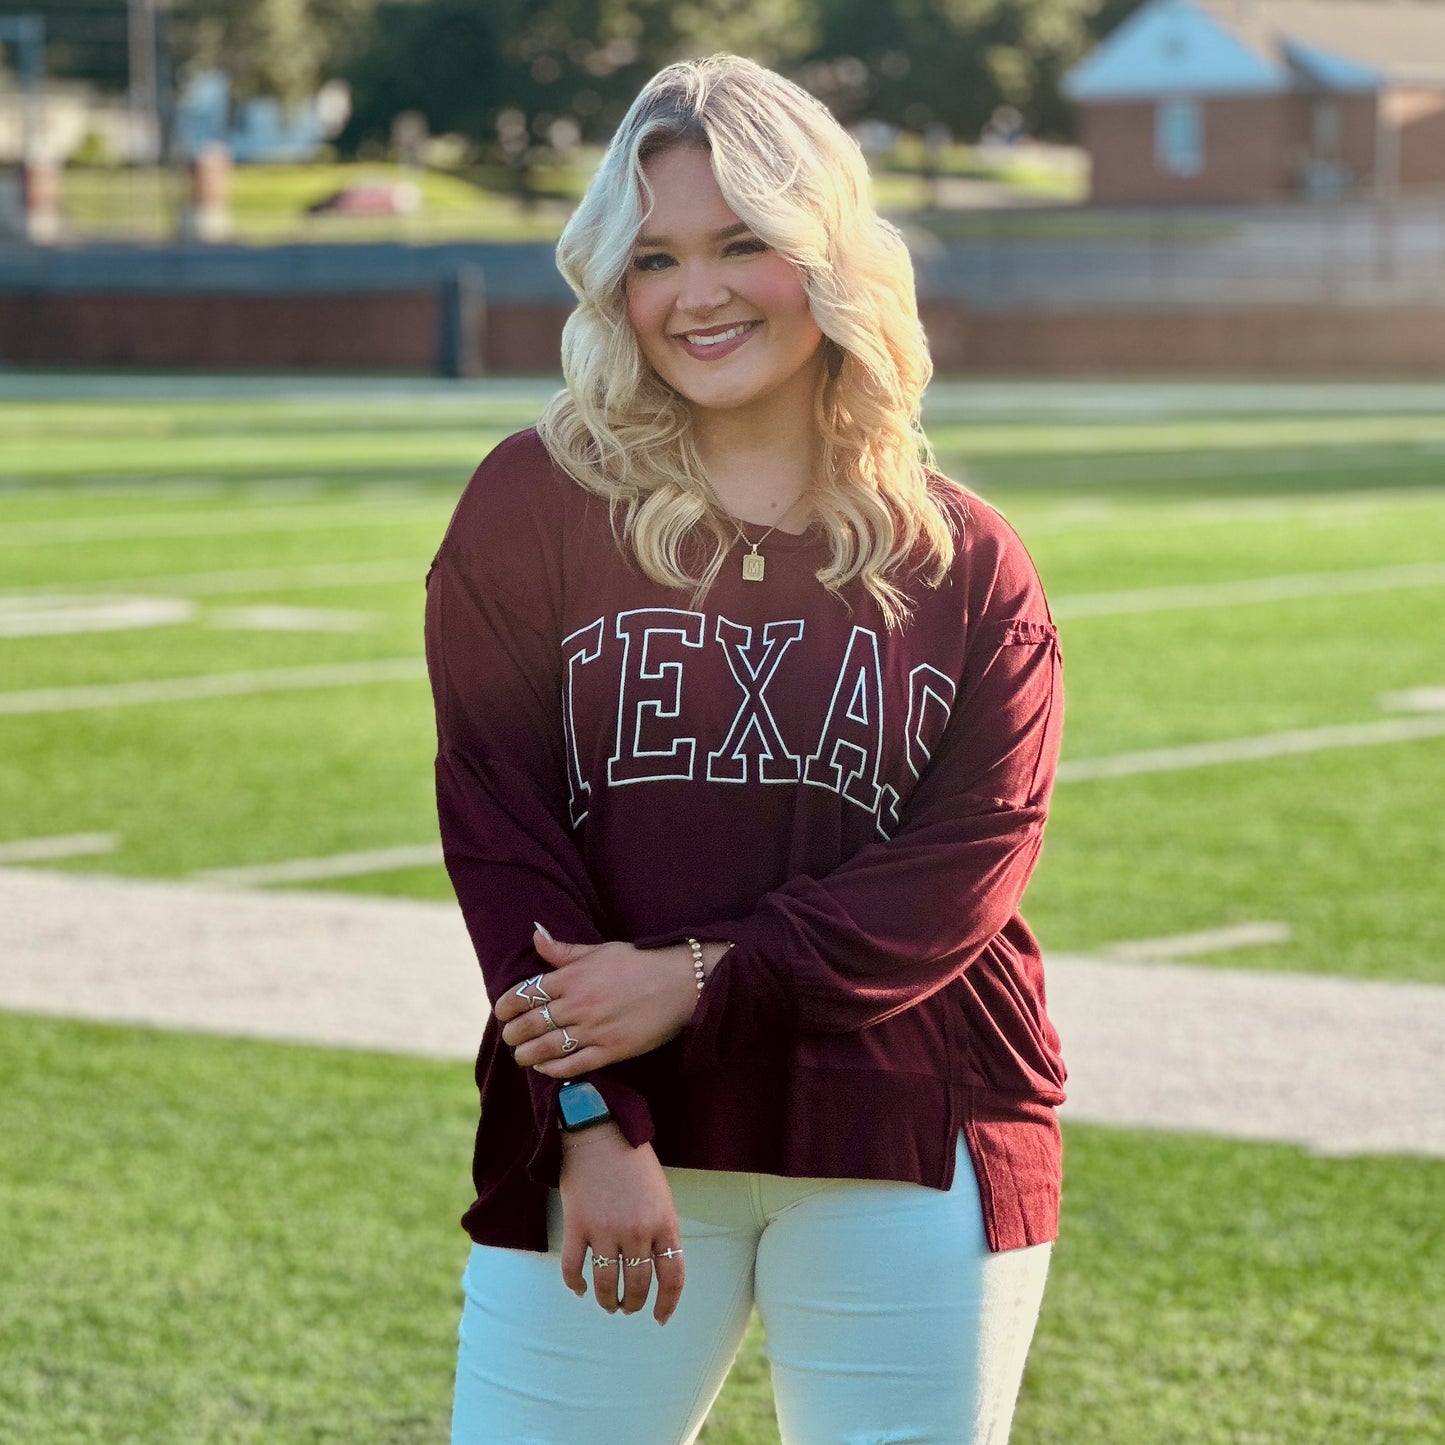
{"x": 27, "y": 33}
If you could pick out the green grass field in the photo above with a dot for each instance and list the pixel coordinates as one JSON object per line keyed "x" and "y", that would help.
{"x": 214, "y": 1241}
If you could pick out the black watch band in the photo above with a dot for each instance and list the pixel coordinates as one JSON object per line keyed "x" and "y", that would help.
{"x": 581, "y": 1107}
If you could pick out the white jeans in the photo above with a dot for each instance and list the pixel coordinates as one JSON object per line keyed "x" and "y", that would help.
{"x": 888, "y": 1322}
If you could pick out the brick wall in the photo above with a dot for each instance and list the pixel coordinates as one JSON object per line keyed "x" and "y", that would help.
{"x": 390, "y": 331}
{"x": 399, "y": 332}
{"x": 1420, "y": 115}
{"x": 1250, "y": 143}
{"x": 1224, "y": 341}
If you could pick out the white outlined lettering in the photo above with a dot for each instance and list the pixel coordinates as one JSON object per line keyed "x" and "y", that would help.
{"x": 930, "y": 704}
{"x": 729, "y": 764}
{"x": 926, "y": 685}
{"x": 578, "y": 649}
{"x": 851, "y": 743}
{"x": 651, "y": 690}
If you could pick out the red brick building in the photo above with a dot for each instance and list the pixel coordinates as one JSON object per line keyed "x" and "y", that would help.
{"x": 1222, "y": 101}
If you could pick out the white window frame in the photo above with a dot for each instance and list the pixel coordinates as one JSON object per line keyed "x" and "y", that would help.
{"x": 1179, "y": 135}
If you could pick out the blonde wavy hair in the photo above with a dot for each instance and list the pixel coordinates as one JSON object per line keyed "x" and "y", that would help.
{"x": 800, "y": 182}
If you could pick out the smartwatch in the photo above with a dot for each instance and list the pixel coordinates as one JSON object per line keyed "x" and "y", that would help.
{"x": 581, "y": 1107}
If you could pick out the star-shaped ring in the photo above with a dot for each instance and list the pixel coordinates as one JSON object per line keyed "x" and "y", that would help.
{"x": 531, "y": 992}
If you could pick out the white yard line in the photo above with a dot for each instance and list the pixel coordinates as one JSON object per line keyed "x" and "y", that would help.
{"x": 1084, "y": 604}
{"x": 1282, "y": 588}
{"x": 274, "y": 618}
{"x": 319, "y": 575}
{"x": 1192, "y": 945}
{"x": 1243, "y": 1054}
{"x": 63, "y": 616}
{"x": 57, "y": 846}
{"x": 1313, "y": 508}
{"x": 338, "y": 865}
{"x": 377, "y": 512}
{"x": 1340, "y": 1065}
{"x": 221, "y": 684}
{"x": 1252, "y": 749}
{"x": 1415, "y": 699}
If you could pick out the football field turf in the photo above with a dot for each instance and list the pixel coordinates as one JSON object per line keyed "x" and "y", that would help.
{"x": 210, "y": 637}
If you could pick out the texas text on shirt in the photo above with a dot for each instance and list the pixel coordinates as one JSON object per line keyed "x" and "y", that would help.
{"x": 897, "y": 784}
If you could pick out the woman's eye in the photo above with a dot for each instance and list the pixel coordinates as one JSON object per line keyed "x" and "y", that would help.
{"x": 654, "y": 262}
{"x": 748, "y": 248}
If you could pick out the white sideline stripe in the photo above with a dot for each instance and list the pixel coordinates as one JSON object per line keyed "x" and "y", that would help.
{"x": 1255, "y": 589}
{"x": 377, "y": 512}
{"x": 1244, "y": 750}
{"x": 1245, "y": 1054}
{"x": 1084, "y": 604}
{"x": 66, "y": 616}
{"x": 1319, "y": 508}
{"x": 253, "y": 579}
{"x": 292, "y": 619}
{"x": 220, "y": 684}
{"x": 61, "y": 845}
{"x": 339, "y": 865}
{"x": 1191, "y": 945}
{"x": 1415, "y": 699}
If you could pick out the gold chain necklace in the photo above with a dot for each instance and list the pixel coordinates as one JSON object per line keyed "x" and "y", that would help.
{"x": 754, "y": 563}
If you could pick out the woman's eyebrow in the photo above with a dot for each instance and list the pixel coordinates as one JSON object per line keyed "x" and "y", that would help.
{"x": 721, "y": 235}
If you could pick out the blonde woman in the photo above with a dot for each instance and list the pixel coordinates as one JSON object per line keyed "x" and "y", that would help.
{"x": 747, "y": 721}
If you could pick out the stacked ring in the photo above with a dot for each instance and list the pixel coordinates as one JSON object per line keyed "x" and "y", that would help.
{"x": 531, "y": 992}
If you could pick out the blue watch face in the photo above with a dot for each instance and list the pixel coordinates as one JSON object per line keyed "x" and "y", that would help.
{"x": 582, "y": 1106}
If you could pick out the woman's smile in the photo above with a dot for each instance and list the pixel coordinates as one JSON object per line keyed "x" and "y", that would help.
{"x": 711, "y": 343}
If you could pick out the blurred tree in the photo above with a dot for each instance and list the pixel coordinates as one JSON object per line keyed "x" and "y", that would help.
{"x": 578, "y": 61}
{"x": 284, "y": 48}
{"x": 84, "y": 39}
{"x": 921, "y": 63}
{"x": 443, "y": 58}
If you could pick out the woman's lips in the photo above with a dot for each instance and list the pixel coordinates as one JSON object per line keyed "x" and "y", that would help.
{"x": 717, "y": 349}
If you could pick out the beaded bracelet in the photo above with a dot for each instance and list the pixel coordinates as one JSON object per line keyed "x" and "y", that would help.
{"x": 696, "y": 947}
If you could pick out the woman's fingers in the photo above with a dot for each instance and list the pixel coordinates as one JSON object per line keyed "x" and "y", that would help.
{"x": 534, "y": 1024}
{"x": 574, "y": 1255}
{"x": 668, "y": 1267}
{"x": 606, "y": 1277}
{"x": 636, "y": 1281}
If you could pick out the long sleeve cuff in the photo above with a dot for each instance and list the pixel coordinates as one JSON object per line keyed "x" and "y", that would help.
{"x": 628, "y": 1108}
{"x": 745, "y": 999}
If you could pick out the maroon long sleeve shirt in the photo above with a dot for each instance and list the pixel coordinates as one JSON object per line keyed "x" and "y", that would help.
{"x": 857, "y": 809}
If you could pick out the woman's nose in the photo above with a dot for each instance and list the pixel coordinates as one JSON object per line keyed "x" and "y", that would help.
{"x": 702, "y": 289}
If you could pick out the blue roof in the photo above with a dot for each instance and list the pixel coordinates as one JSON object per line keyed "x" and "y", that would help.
{"x": 1334, "y": 72}
{"x": 1173, "y": 47}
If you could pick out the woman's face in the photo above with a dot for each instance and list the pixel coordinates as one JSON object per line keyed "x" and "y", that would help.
{"x": 720, "y": 316}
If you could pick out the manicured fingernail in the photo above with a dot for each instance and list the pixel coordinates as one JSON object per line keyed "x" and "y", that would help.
{"x": 543, "y": 932}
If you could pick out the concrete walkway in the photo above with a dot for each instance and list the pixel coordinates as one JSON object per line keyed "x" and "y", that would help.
{"x": 1341, "y": 1065}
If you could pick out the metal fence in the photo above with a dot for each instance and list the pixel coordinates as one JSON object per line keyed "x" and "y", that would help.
{"x": 1060, "y": 257}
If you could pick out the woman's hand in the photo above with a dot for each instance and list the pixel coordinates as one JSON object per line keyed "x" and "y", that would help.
{"x": 616, "y": 1201}
{"x": 617, "y": 1001}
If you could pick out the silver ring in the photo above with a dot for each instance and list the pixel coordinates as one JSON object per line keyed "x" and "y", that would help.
{"x": 600, "y": 1261}
{"x": 641, "y": 1259}
{"x": 666, "y": 1253}
{"x": 548, "y": 1019}
{"x": 531, "y": 992}
{"x": 568, "y": 1042}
